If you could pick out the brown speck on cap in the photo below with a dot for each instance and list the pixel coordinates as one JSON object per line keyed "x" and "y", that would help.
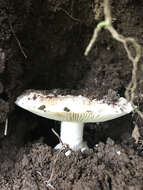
{"x": 42, "y": 107}
{"x": 34, "y": 97}
{"x": 66, "y": 109}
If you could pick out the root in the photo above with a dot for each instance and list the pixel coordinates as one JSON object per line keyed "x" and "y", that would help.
{"x": 107, "y": 24}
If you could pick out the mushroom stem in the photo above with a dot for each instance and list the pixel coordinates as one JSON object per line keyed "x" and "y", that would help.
{"x": 72, "y": 135}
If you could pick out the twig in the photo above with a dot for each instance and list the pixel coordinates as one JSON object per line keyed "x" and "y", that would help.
{"x": 107, "y": 24}
{"x": 48, "y": 182}
{"x": 69, "y": 15}
{"x": 6, "y": 127}
{"x": 63, "y": 145}
{"x": 136, "y": 133}
{"x": 17, "y": 40}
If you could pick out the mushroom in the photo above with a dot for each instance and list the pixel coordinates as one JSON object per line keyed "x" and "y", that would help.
{"x": 73, "y": 111}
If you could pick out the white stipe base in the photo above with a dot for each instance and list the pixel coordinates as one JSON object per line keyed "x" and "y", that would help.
{"x": 72, "y": 135}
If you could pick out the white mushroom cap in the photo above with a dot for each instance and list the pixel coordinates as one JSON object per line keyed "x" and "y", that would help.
{"x": 73, "y": 112}
{"x": 72, "y": 108}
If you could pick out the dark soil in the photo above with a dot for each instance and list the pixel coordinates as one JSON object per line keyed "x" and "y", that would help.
{"x": 103, "y": 167}
{"x": 53, "y": 35}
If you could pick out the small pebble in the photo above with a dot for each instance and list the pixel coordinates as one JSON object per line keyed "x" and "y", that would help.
{"x": 118, "y": 152}
{"x": 68, "y": 153}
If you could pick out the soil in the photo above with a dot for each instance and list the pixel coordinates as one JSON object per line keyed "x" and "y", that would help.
{"x": 42, "y": 46}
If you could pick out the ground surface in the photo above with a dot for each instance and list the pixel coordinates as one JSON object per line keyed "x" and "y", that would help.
{"x": 53, "y": 35}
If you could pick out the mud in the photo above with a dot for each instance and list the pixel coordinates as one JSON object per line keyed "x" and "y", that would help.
{"x": 42, "y": 46}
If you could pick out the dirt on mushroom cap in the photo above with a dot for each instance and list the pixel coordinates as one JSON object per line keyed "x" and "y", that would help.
{"x": 71, "y": 107}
